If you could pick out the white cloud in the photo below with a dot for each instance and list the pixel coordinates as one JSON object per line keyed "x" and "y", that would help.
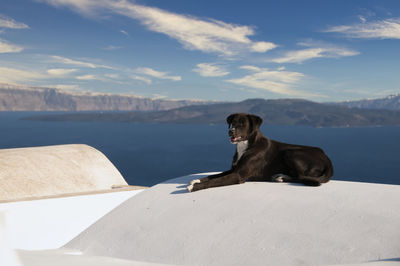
{"x": 362, "y": 18}
{"x": 143, "y": 79}
{"x": 9, "y": 23}
{"x": 60, "y": 72}
{"x": 276, "y": 81}
{"x": 65, "y": 87}
{"x": 6, "y": 47}
{"x": 86, "y": 77}
{"x": 12, "y": 75}
{"x": 158, "y": 96}
{"x": 262, "y": 47}
{"x": 316, "y": 50}
{"x": 251, "y": 68}
{"x": 112, "y": 48}
{"x": 379, "y": 29}
{"x": 210, "y": 70}
{"x": 206, "y": 35}
{"x": 157, "y": 74}
{"x": 112, "y": 76}
{"x": 124, "y": 32}
{"x": 73, "y": 62}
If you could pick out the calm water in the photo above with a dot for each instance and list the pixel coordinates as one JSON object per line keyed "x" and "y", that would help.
{"x": 147, "y": 154}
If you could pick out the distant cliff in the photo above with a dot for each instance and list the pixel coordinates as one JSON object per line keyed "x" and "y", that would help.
{"x": 391, "y": 102}
{"x": 273, "y": 112}
{"x": 24, "y": 98}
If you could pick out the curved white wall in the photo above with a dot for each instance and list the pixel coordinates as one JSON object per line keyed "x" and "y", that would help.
{"x": 55, "y": 170}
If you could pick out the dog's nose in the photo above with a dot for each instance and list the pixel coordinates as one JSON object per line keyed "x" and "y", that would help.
{"x": 231, "y": 131}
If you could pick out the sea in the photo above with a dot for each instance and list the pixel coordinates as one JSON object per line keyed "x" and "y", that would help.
{"x": 150, "y": 153}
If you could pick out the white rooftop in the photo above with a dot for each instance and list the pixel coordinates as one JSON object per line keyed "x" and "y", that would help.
{"x": 338, "y": 223}
{"x": 251, "y": 224}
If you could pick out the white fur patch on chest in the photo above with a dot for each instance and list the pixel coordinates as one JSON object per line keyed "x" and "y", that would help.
{"x": 241, "y": 148}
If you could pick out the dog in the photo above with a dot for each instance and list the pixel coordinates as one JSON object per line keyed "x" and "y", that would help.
{"x": 258, "y": 158}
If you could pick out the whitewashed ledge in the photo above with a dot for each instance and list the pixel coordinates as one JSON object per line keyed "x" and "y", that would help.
{"x": 53, "y": 171}
{"x": 339, "y": 223}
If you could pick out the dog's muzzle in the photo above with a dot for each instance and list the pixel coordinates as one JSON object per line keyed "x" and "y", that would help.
{"x": 234, "y": 139}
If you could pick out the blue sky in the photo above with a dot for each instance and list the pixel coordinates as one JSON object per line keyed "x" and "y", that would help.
{"x": 211, "y": 50}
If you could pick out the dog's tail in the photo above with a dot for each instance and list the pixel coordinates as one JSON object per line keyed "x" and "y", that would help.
{"x": 317, "y": 180}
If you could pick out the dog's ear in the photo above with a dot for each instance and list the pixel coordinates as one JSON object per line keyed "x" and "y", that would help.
{"x": 256, "y": 120}
{"x": 230, "y": 118}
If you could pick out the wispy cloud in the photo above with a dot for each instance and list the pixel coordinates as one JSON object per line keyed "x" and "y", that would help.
{"x": 9, "y": 23}
{"x": 314, "y": 50}
{"x": 68, "y": 61}
{"x": 72, "y": 87}
{"x": 86, "y": 77}
{"x": 157, "y": 74}
{"x": 6, "y": 47}
{"x": 112, "y": 76}
{"x": 276, "y": 81}
{"x": 140, "y": 78}
{"x": 27, "y": 76}
{"x": 112, "y": 48}
{"x": 378, "y": 29}
{"x": 206, "y": 35}
{"x": 60, "y": 72}
{"x": 13, "y": 75}
{"x": 362, "y": 18}
{"x": 158, "y": 96}
{"x": 210, "y": 70}
{"x": 124, "y": 32}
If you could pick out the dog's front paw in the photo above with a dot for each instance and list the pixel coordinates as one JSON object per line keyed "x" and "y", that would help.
{"x": 195, "y": 181}
{"x": 189, "y": 188}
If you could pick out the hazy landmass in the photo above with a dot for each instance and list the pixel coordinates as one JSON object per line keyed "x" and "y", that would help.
{"x": 24, "y": 98}
{"x": 273, "y": 112}
{"x": 392, "y": 102}
{"x": 377, "y": 112}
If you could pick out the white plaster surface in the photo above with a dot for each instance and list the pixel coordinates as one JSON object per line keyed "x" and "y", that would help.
{"x": 51, "y": 223}
{"x": 338, "y": 223}
{"x": 55, "y": 170}
{"x": 64, "y": 258}
{"x": 8, "y": 257}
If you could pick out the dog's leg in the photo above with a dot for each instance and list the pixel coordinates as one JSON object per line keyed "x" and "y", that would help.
{"x": 281, "y": 178}
{"x": 204, "y": 179}
{"x": 191, "y": 186}
{"x": 230, "y": 179}
{"x": 195, "y": 181}
{"x": 310, "y": 167}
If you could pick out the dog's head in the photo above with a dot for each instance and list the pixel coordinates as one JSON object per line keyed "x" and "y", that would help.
{"x": 242, "y": 126}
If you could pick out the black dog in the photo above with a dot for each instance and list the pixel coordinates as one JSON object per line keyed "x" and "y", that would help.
{"x": 258, "y": 158}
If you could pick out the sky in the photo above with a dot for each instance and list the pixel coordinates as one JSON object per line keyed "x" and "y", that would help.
{"x": 206, "y": 50}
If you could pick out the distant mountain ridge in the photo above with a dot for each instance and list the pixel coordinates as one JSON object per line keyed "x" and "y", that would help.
{"x": 25, "y": 98}
{"x": 273, "y": 112}
{"x": 391, "y": 102}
